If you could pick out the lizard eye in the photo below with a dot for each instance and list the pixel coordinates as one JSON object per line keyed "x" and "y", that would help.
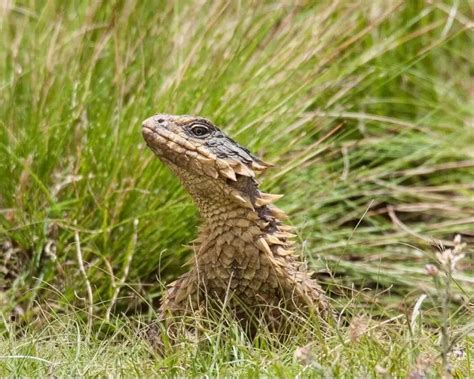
{"x": 200, "y": 131}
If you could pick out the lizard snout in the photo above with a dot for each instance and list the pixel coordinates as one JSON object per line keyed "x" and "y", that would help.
{"x": 149, "y": 129}
{"x": 155, "y": 121}
{"x": 150, "y": 123}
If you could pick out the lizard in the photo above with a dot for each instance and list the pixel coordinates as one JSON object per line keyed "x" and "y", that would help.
{"x": 244, "y": 252}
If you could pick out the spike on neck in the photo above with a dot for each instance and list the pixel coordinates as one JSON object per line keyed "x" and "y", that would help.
{"x": 213, "y": 197}
{"x": 235, "y": 208}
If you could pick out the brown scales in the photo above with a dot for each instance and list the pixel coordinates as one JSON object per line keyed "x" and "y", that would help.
{"x": 244, "y": 253}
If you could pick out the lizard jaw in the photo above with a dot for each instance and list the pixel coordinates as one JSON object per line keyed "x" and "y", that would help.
{"x": 150, "y": 137}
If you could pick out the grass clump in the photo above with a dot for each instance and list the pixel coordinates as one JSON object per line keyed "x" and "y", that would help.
{"x": 365, "y": 107}
{"x": 367, "y": 347}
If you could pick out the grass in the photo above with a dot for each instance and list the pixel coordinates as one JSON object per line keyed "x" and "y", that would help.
{"x": 366, "y": 109}
{"x": 63, "y": 348}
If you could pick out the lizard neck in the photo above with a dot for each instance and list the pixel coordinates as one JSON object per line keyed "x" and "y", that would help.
{"x": 237, "y": 216}
{"x": 243, "y": 246}
{"x": 230, "y": 225}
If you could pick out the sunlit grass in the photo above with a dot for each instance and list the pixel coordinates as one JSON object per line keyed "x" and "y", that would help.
{"x": 359, "y": 346}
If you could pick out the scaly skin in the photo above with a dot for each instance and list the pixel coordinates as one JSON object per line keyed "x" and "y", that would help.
{"x": 244, "y": 253}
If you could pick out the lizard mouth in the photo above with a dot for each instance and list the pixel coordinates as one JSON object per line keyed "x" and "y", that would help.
{"x": 152, "y": 139}
{"x": 147, "y": 130}
{"x": 157, "y": 143}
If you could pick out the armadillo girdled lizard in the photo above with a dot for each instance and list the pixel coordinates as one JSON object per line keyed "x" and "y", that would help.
{"x": 244, "y": 253}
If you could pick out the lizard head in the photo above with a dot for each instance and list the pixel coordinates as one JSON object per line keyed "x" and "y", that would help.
{"x": 212, "y": 167}
{"x": 193, "y": 145}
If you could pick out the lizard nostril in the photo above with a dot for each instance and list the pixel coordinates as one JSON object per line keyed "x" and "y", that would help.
{"x": 161, "y": 120}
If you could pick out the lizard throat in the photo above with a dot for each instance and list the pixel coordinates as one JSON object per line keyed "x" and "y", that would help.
{"x": 234, "y": 212}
